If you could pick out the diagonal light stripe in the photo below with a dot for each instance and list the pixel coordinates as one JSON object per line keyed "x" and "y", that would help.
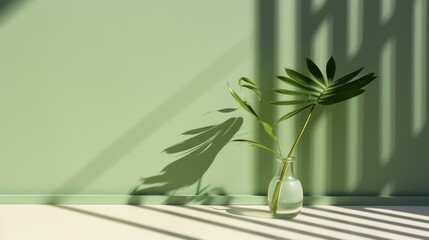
{"x": 378, "y": 220}
{"x": 419, "y": 67}
{"x": 291, "y": 227}
{"x": 354, "y": 143}
{"x": 341, "y": 225}
{"x": 316, "y": 5}
{"x": 354, "y": 28}
{"x": 401, "y": 214}
{"x": 387, "y": 100}
{"x": 387, "y": 9}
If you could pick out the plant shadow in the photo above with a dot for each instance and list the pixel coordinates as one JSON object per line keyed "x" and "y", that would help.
{"x": 205, "y": 196}
{"x": 195, "y": 156}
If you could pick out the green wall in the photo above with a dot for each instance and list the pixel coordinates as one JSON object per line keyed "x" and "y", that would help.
{"x": 93, "y": 92}
{"x": 376, "y": 144}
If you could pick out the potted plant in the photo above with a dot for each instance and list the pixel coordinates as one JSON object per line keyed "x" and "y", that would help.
{"x": 285, "y": 195}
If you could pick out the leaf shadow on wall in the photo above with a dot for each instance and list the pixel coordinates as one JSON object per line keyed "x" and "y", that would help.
{"x": 195, "y": 156}
{"x": 6, "y": 6}
{"x": 142, "y": 130}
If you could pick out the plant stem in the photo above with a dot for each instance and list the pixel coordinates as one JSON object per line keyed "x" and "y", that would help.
{"x": 279, "y": 185}
{"x": 300, "y": 133}
{"x": 278, "y": 147}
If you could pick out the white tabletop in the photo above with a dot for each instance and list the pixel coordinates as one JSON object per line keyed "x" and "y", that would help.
{"x": 80, "y": 222}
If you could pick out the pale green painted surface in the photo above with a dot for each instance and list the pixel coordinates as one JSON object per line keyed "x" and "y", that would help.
{"x": 91, "y": 93}
{"x": 369, "y": 145}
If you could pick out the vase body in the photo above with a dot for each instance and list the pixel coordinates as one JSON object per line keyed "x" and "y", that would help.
{"x": 290, "y": 195}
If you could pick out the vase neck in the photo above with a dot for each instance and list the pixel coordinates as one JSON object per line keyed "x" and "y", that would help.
{"x": 289, "y": 162}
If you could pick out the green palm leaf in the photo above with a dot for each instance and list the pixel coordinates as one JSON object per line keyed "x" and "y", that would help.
{"x": 268, "y": 129}
{"x": 243, "y": 103}
{"x": 292, "y": 113}
{"x": 246, "y": 106}
{"x": 315, "y": 71}
{"x": 291, "y": 102}
{"x": 346, "y": 78}
{"x": 249, "y": 84}
{"x": 302, "y": 78}
{"x": 330, "y": 69}
{"x": 255, "y": 144}
{"x": 301, "y": 85}
{"x": 339, "y": 97}
{"x": 295, "y": 93}
{"x": 317, "y": 91}
{"x": 354, "y": 85}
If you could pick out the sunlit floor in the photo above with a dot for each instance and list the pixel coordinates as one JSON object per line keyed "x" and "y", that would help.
{"x": 80, "y": 222}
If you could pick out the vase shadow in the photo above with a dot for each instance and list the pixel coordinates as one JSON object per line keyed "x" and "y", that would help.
{"x": 250, "y": 212}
